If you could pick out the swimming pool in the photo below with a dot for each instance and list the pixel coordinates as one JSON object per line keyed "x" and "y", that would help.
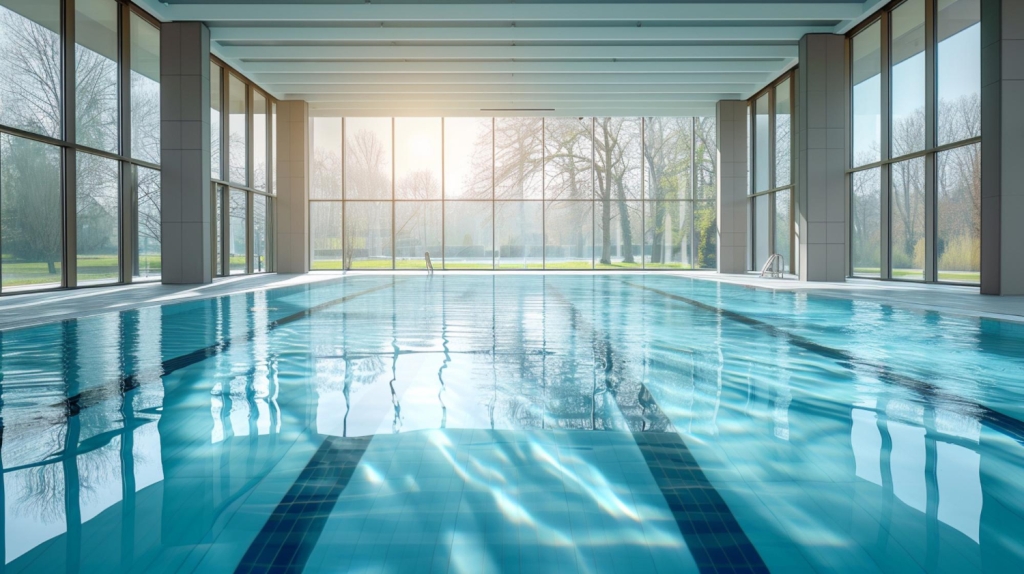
{"x": 475, "y": 423}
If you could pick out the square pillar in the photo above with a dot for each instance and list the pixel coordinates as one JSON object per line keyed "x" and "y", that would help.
{"x": 185, "y": 197}
{"x": 821, "y": 128}
{"x": 731, "y": 125}
{"x": 293, "y": 151}
{"x": 1002, "y": 148}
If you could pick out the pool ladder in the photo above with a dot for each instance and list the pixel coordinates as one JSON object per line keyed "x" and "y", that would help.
{"x": 770, "y": 269}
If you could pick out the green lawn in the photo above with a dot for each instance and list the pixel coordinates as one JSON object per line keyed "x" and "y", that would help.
{"x": 950, "y": 276}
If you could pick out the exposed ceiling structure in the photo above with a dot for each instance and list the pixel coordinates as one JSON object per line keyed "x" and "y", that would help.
{"x": 363, "y": 58}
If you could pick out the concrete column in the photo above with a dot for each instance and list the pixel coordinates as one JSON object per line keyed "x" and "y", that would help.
{"x": 292, "y": 223}
{"x": 185, "y": 153}
{"x": 731, "y": 126}
{"x": 1002, "y": 149}
{"x": 821, "y": 128}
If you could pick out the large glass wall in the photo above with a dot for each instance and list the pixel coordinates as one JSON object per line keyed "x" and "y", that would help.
{"x": 513, "y": 193}
{"x": 79, "y": 184}
{"x": 242, "y": 173}
{"x": 916, "y": 177}
{"x": 771, "y": 188}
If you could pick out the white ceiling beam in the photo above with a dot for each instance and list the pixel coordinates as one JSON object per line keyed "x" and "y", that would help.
{"x": 747, "y": 52}
{"x": 263, "y": 34}
{"x": 488, "y": 113}
{"x": 868, "y": 8}
{"x": 510, "y": 12}
{"x": 578, "y": 67}
{"x": 601, "y": 88}
{"x": 327, "y": 78}
{"x": 518, "y": 98}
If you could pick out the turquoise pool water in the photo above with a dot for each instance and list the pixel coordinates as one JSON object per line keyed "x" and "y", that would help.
{"x": 516, "y": 423}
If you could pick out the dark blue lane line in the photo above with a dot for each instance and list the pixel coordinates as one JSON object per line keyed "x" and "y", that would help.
{"x": 712, "y": 534}
{"x": 287, "y": 539}
{"x": 1005, "y": 424}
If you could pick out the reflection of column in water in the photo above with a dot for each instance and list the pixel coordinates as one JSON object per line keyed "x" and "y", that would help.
{"x": 707, "y": 391}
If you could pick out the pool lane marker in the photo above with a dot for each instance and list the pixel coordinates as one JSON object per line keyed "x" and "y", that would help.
{"x": 712, "y": 534}
{"x": 1005, "y": 424}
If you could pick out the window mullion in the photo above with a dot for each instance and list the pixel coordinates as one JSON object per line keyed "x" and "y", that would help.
{"x": 930, "y": 198}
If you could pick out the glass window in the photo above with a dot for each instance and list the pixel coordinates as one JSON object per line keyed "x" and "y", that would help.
{"x": 273, "y": 148}
{"x": 669, "y": 235}
{"x": 667, "y": 144}
{"x": 619, "y": 225}
{"x": 237, "y": 131}
{"x": 367, "y": 234}
{"x": 908, "y": 83}
{"x": 906, "y": 208}
{"x": 326, "y": 168}
{"x": 218, "y": 225}
{"x": 705, "y": 152}
{"x": 368, "y": 158}
{"x": 782, "y": 226}
{"x": 468, "y": 158}
{"x": 867, "y": 98}
{"x": 237, "y": 231}
{"x": 417, "y": 232}
{"x": 98, "y": 217}
{"x": 468, "y": 233}
{"x": 96, "y": 79}
{"x": 958, "y": 32}
{"x": 761, "y": 139}
{"x": 146, "y": 260}
{"x": 518, "y": 241}
{"x": 325, "y": 235}
{"x": 783, "y": 138}
{"x": 866, "y": 224}
{"x": 568, "y": 167}
{"x": 145, "y": 72}
{"x": 260, "y": 234}
{"x": 518, "y": 158}
{"x": 958, "y": 218}
{"x": 569, "y": 234}
{"x": 417, "y": 158}
{"x": 259, "y": 141}
{"x": 216, "y": 80}
{"x": 762, "y": 233}
{"x": 705, "y": 229}
{"x": 30, "y": 200}
{"x": 30, "y": 80}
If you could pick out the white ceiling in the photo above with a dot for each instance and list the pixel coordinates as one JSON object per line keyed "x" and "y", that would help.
{"x": 513, "y": 58}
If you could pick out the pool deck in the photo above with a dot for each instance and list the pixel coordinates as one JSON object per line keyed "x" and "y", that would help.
{"x": 36, "y": 308}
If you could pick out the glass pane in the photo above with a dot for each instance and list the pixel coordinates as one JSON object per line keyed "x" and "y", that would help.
{"x": 145, "y": 52}
{"x": 958, "y": 222}
{"x": 782, "y": 230}
{"x": 705, "y": 230}
{"x": 568, "y": 167}
{"x": 866, "y": 227}
{"x": 259, "y": 141}
{"x": 705, "y": 158}
{"x": 959, "y": 69}
{"x": 417, "y": 233}
{"x": 783, "y": 140}
{"x": 218, "y": 225}
{"x": 367, "y": 234}
{"x": 417, "y": 158}
{"x": 273, "y": 148}
{"x": 467, "y": 234}
{"x": 619, "y": 227}
{"x": 237, "y": 150}
{"x": 30, "y": 80}
{"x": 907, "y": 217}
{"x": 667, "y": 146}
{"x": 326, "y": 168}
{"x": 468, "y": 146}
{"x": 518, "y": 158}
{"x": 237, "y": 235}
{"x": 518, "y": 234}
{"x": 907, "y": 53}
{"x": 867, "y": 98}
{"x": 325, "y": 235}
{"x": 260, "y": 234}
{"x": 215, "y": 119}
{"x": 618, "y": 159}
{"x": 146, "y": 263}
{"x": 761, "y": 233}
{"x": 98, "y": 216}
{"x": 669, "y": 235}
{"x": 30, "y": 200}
{"x": 761, "y": 138}
{"x": 569, "y": 235}
{"x": 368, "y": 158}
{"x": 96, "y": 74}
